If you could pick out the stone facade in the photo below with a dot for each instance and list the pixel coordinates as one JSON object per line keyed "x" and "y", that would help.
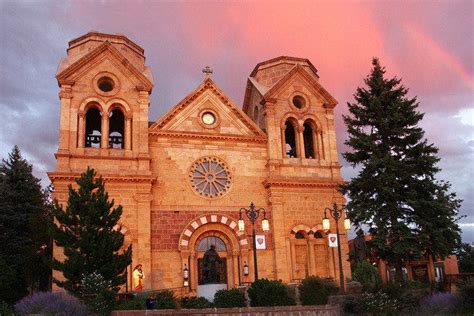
{"x": 183, "y": 178}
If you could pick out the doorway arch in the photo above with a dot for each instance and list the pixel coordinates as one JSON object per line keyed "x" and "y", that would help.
{"x": 214, "y": 226}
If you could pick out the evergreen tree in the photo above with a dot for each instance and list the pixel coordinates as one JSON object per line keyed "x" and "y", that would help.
{"x": 465, "y": 256}
{"x": 89, "y": 233}
{"x": 23, "y": 226}
{"x": 410, "y": 214}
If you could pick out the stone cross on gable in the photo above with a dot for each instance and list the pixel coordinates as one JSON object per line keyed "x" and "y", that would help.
{"x": 207, "y": 71}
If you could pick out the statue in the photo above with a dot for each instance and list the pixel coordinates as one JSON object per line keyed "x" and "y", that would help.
{"x": 210, "y": 261}
{"x": 360, "y": 248}
{"x": 138, "y": 278}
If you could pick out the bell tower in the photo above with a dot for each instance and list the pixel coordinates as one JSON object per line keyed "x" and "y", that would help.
{"x": 105, "y": 95}
{"x": 286, "y": 100}
{"x": 105, "y": 90}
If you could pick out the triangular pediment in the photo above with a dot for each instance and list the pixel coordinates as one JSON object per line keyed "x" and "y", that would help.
{"x": 103, "y": 53}
{"x": 187, "y": 115}
{"x": 299, "y": 72}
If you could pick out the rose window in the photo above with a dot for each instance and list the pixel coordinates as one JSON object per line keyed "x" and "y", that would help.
{"x": 210, "y": 177}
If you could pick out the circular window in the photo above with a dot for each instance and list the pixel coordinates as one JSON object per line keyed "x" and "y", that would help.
{"x": 105, "y": 84}
{"x": 210, "y": 177}
{"x": 299, "y": 101}
{"x": 208, "y": 118}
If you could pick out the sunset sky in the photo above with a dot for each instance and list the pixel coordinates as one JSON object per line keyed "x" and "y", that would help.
{"x": 429, "y": 44}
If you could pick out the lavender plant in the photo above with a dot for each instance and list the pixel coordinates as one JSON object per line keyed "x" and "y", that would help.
{"x": 51, "y": 304}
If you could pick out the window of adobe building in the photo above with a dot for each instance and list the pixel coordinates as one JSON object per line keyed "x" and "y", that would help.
{"x": 308, "y": 136}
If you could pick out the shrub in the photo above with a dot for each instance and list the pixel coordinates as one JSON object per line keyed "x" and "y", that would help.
{"x": 439, "y": 303}
{"x": 264, "y": 292}
{"x": 378, "y": 303}
{"x": 229, "y": 298}
{"x": 195, "y": 302}
{"x": 315, "y": 290}
{"x": 135, "y": 303}
{"x": 367, "y": 275}
{"x": 5, "y": 309}
{"x": 165, "y": 300}
{"x": 51, "y": 303}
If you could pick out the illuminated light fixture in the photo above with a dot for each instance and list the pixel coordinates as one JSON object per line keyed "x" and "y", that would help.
{"x": 326, "y": 224}
{"x": 246, "y": 269}
{"x": 186, "y": 276}
{"x": 241, "y": 225}
{"x": 265, "y": 224}
{"x": 347, "y": 222}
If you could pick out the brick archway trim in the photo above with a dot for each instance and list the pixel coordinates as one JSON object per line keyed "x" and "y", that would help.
{"x": 199, "y": 221}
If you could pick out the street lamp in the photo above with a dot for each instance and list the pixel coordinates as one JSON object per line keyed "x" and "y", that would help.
{"x": 252, "y": 213}
{"x": 337, "y": 214}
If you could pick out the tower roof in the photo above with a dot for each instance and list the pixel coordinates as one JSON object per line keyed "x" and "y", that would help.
{"x": 282, "y": 60}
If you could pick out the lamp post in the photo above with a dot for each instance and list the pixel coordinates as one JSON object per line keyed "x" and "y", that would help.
{"x": 336, "y": 213}
{"x": 252, "y": 214}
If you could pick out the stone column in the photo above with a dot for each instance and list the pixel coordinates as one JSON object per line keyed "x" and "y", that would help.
{"x": 300, "y": 141}
{"x": 312, "y": 262}
{"x": 143, "y": 251}
{"x": 66, "y": 130}
{"x": 104, "y": 140}
{"x": 81, "y": 133}
{"x": 235, "y": 261}
{"x": 193, "y": 275}
{"x": 128, "y": 132}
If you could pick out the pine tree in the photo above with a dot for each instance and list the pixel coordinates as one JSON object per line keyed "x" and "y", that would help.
{"x": 410, "y": 214}
{"x": 23, "y": 226}
{"x": 88, "y": 230}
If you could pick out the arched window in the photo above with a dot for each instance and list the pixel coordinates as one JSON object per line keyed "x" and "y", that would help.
{"x": 255, "y": 114}
{"x": 299, "y": 235}
{"x": 116, "y": 129}
{"x": 290, "y": 140}
{"x": 318, "y": 235}
{"x": 93, "y": 128}
{"x": 308, "y": 136}
{"x": 206, "y": 243}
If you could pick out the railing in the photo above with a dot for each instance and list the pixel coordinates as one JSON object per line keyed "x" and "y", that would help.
{"x": 452, "y": 279}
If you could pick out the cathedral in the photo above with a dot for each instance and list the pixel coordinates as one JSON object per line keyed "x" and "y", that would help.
{"x": 185, "y": 180}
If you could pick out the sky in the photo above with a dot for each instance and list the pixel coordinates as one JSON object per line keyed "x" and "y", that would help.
{"x": 429, "y": 44}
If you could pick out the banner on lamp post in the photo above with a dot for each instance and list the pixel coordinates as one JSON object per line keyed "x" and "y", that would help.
{"x": 260, "y": 242}
{"x": 332, "y": 240}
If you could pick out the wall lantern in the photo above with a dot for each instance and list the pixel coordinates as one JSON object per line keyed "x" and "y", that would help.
{"x": 246, "y": 269}
{"x": 186, "y": 276}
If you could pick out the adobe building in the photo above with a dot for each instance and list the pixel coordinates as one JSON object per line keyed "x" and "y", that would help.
{"x": 183, "y": 178}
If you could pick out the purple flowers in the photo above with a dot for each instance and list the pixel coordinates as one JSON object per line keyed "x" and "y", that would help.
{"x": 51, "y": 303}
{"x": 439, "y": 303}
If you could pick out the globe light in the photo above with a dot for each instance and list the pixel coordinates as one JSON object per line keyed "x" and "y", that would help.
{"x": 241, "y": 225}
{"x": 265, "y": 225}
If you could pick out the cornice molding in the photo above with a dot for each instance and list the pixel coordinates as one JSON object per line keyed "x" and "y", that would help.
{"x": 221, "y": 137}
{"x": 72, "y": 176}
{"x": 298, "y": 182}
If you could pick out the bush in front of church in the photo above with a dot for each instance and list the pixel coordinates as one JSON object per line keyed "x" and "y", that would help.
{"x": 264, "y": 292}
{"x": 229, "y": 298}
{"x": 316, "y": 290}
{"x": 196, "y": 302}
{"x": 165, "y": 300}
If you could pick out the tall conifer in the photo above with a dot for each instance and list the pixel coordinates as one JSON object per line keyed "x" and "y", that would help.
{"x": 88, "y": 230}
{"x": 410, "y": 214}
{"x": 23, "y": 224}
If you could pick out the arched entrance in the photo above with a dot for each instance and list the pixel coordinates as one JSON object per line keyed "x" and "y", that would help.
{"x": 231, "y": 246}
